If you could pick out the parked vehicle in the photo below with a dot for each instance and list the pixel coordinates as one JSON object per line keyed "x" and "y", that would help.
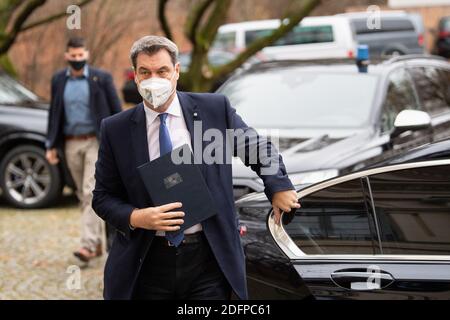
{"x": 329, "y": 119}
{"x": 314, "y": 38}
{"x": 442, "y": 44}
{"x": 398, "y": 32}
{"x": 380, "y": 233}
{"x": 27, "y": 180}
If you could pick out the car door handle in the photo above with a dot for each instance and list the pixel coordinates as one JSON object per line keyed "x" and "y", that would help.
{"x": 362, "y": 280}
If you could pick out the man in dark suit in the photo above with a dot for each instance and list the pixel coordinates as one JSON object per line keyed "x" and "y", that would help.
{"x": 81, "y": 97}
{"x": 207, "y": 261}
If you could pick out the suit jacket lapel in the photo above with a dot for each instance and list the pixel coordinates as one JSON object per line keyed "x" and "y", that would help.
{"x": 139, "y": 135}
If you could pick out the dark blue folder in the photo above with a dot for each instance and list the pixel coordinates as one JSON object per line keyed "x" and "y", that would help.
{"x": 168, "y": 182}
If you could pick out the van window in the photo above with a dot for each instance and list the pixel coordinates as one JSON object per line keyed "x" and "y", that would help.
{"x": 225, "y": 41}
{"x": 299, "y": 35}
{"x": 360, "y": 26}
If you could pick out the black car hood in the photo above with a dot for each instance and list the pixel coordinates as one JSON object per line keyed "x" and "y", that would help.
{"x": 322, "y": 151}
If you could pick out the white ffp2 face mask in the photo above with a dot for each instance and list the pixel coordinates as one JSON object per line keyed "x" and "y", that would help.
{"x": 156, "y": 90}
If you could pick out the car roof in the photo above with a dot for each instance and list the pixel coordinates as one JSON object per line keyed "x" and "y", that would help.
{"x": 339, "y": 65}
{"x": 365, "y": 14}
{"x": 273, "y": 23}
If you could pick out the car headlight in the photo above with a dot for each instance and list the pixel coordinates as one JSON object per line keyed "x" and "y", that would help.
{"x": 309, "y": 177}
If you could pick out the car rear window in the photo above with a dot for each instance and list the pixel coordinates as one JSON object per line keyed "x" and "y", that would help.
{"x": 360, "y": 26}
{"x": 299, "y": 35}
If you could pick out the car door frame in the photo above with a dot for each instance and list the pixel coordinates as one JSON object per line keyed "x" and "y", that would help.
{"x": 405, "y": 271}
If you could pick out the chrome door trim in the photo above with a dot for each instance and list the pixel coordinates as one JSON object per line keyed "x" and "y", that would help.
{"x": 293, "y": 252}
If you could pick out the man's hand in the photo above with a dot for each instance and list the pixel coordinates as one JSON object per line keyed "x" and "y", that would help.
{"x": 52, "y": 156}
{"x": 157, "y": 218}
{"x": 284, "y": 201}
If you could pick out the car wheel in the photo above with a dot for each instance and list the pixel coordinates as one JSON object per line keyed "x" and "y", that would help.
{"x": 27, "y": 179}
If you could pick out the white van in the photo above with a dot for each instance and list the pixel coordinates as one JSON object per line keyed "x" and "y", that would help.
{"x": 314, "y": 38}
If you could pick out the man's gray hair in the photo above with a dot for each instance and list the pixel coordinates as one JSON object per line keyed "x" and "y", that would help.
{"x": 151, "y": 45}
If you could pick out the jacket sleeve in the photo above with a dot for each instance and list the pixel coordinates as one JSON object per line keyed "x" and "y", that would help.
{"x": 108, "y": 196}
{"x": 111, "y": 95}
{"x": 258, "y": 153}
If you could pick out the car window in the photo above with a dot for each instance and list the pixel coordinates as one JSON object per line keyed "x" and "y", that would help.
{"x": 299, "y": 35}
{"x": 334, "y": 221}
{"x": 432, "y": 88}
{"x": 360, "y": 25}
{"x": 225, "y": 41}
{"x": 13, "y": 93}
{"x": 306, "y": 99}
{"x": 413, "y": 210}
{"x": 400, "y": 96}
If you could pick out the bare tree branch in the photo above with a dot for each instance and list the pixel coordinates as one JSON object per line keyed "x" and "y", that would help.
{"x": 216, "y": 18}
{"x": 52, "y": 18}
{"x": 7, "y": 38}
{"x": 194, "y": 18}
{"x": 11, "y": 36}
{"x": 163, "y": 19}
{"x": 7, "y": 8}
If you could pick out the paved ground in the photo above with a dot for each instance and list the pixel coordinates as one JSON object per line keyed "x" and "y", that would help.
{"x": 36, "y": 260}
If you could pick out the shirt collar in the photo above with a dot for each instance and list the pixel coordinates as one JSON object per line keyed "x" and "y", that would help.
{"x": 85, "y": 71}
{"x": 174, "y": 110}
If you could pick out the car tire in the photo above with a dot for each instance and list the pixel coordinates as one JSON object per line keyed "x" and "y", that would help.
{"x": 27, "y": 180}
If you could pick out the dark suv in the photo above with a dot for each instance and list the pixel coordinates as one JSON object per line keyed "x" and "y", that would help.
{"x": 331, "y": 119}
{"x": 27, "y": 180}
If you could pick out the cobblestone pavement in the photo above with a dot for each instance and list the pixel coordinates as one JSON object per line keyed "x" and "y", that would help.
{"x": 36, "y": 260}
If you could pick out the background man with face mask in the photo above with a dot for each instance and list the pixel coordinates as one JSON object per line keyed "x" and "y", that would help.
{"x": 207, "y": 260}
{"x": 81, "y": 96}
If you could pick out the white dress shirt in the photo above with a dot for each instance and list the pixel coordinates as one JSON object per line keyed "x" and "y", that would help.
{"x": 179, "y": 135}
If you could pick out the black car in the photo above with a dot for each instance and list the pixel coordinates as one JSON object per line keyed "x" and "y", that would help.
{"x": 442, "y": 44}
{"x": 27, "y": 180}
{"x": 380, "y": 233}
{"x": 329, "y": 119}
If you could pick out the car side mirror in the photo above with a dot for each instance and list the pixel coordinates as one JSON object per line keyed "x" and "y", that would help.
{"x": 411, "y": 120}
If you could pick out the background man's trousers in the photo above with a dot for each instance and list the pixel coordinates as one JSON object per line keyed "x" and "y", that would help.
{"x": 81, "y": 156}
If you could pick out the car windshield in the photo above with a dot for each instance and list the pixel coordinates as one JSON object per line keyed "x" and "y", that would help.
{"x": 13, "y": 93}
{"x": 291, "y": 98}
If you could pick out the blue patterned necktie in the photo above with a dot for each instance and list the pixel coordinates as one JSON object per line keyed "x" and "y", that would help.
{"x": 165, "y": 146}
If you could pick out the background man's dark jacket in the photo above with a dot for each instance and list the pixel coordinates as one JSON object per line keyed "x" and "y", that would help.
{"x": 119, "y": 189}
{"x": 103, "y": 102}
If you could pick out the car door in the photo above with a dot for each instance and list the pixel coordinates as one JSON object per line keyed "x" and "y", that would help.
{"x": 433, "y": 88}
{"x": 376, "y": 234}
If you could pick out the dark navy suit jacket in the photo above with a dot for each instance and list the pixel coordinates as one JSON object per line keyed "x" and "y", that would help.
{"x": 119, "y": 189}
{"x": 103, "y": 102}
